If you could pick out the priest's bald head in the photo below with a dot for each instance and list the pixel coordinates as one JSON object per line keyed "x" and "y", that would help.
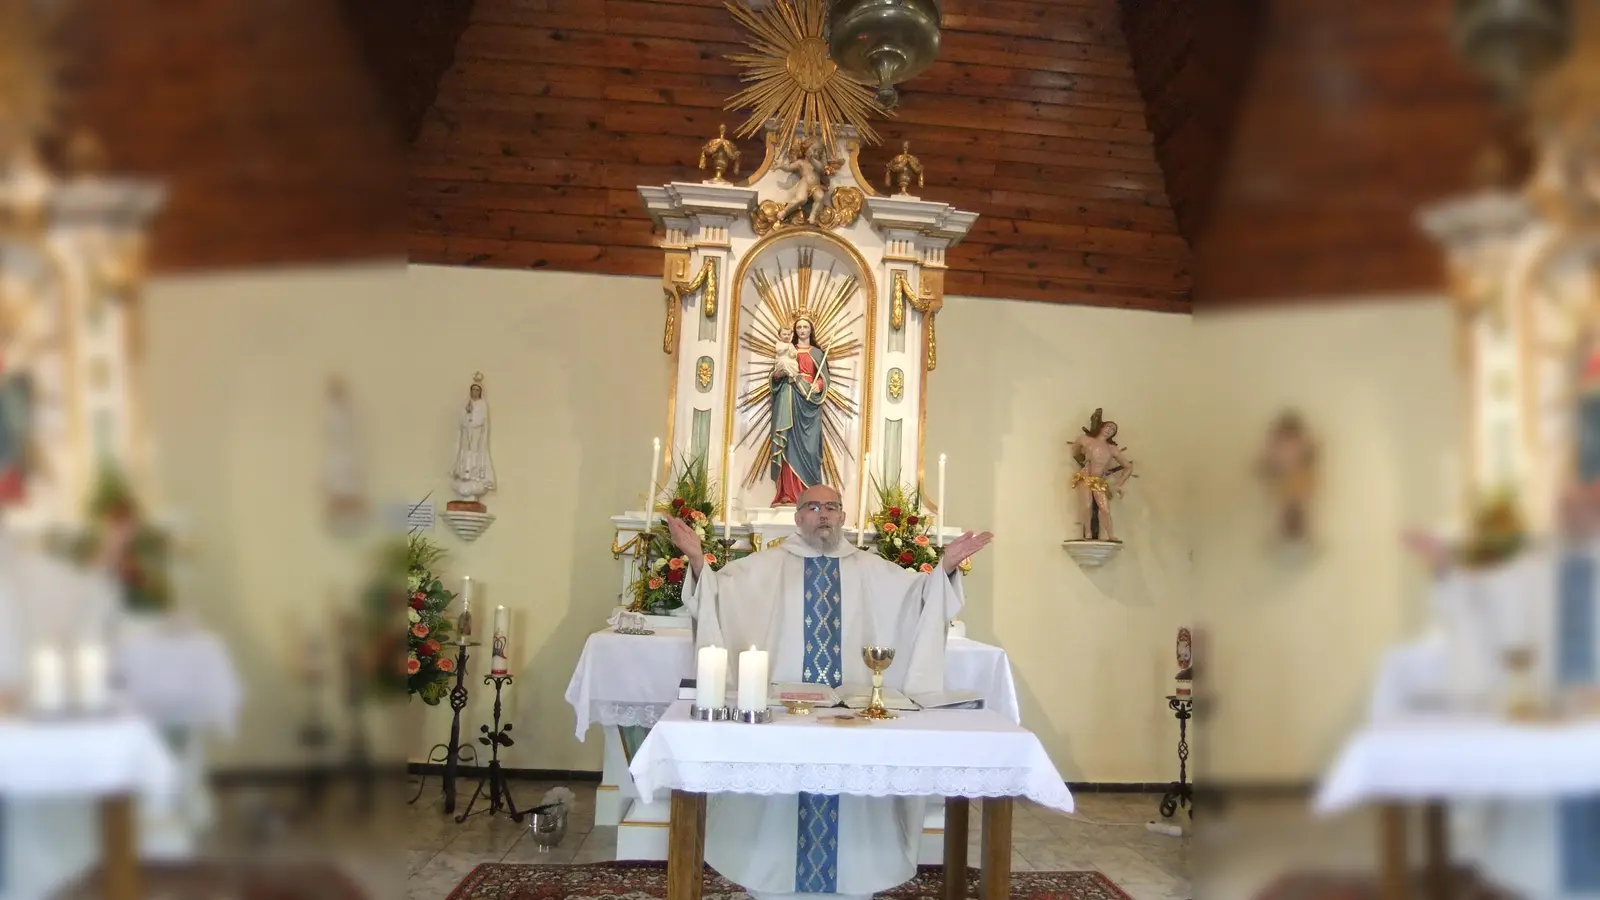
{"x": 820, "y": 515}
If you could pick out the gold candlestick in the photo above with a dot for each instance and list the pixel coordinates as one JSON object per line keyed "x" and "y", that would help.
{"x": 877, "y": 659}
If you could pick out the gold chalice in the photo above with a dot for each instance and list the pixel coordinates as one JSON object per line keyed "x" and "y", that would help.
{"x": 877, "y": 659}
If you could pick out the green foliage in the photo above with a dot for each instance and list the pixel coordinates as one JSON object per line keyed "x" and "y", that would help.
{"x": 694, "y": 498}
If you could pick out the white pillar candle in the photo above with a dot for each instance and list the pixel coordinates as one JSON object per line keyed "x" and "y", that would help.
{"x": 48, "y": 692}
{"x": 861, "y": 509}
{"x": 650, "y": 496}
{"x": 92, "y": 673}
{"x": 711, "y": 678}
{"x": 499, "y": 667}
{"x": 464, "y": 620}
{"x": 752, "y": 680}
{"x": 941, "y": 518}
{"x": 727, "y": 511}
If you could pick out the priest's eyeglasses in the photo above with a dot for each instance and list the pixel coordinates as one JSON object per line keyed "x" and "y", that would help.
{"x": 816, "y": 507}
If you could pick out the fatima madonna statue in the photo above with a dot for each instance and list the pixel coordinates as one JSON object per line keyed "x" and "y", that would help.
{"x": 472, "y": 473}
{"x": 799, "y": 389}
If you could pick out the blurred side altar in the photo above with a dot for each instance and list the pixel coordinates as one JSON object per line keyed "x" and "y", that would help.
{"x": 85, "y": 570}
{"x": 801, "y": 327}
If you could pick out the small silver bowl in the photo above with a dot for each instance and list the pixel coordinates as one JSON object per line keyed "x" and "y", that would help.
{"x": 548, "y": 825}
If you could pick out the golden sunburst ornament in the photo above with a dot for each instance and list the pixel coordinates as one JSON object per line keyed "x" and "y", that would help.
{"x": 793, "y": 79}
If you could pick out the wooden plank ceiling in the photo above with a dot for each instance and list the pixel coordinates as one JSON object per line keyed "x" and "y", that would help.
{"x": 555, "y": 110}
{"x": 270, "y": 137}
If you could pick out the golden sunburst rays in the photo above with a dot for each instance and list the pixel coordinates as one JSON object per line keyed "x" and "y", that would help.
{"x": 824, "y": 300}
{"x": 792, "y": 78}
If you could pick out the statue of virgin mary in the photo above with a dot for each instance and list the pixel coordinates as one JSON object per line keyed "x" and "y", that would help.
{"x": 799, "y": 390}
{"x": 472, "y": 473}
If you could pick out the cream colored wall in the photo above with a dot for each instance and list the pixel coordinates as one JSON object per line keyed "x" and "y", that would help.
{"x": 577, "y": 386}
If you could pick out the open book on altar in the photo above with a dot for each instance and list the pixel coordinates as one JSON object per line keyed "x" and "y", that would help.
{"x": 855, "y": 696}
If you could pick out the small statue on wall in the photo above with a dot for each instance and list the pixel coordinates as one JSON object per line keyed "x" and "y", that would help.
{"x": 813, "y": 200}
{"x": 1103, "y": 467}
{"x": 343, "y": 480}
{"x": 472, "y": 473}
{"x": 1289, "y": 466}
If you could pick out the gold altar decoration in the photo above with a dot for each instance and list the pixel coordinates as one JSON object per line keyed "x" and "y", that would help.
{"x": 841, "y": 211}
{"x": 898, "y": 173}
{"x": 707, "y": 280}
{"x": 897, "y": 384}
{"x": 793, "y": 79}
{"x": 928, "y": 304}
{"x": 722, "y": 154}
{"x": 878, "y": 659}
{"x": 823, "y": 299}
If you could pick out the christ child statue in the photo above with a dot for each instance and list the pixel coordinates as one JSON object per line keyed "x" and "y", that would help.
{"x": 783, "y": 353}
{"x": 1103, "y": 467}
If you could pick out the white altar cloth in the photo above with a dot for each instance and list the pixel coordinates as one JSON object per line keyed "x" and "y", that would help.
{"x": 180, "y": 675}
{"x": 1454, "y": 758}
{"x": 624, "y": 679}
{"x": 930, "y": 753}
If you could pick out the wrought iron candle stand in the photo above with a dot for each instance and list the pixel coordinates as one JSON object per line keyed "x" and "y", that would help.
{"x": 453, "y": 752}
{"x": 499, "y": 792}
{"x": 1182, "y": 792}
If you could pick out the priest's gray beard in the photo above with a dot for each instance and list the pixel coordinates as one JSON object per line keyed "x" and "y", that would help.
{"x": 822, "y": 539}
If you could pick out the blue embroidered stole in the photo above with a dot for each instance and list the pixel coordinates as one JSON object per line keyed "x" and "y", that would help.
{"x": 816, "y": 869}
{"x": 1578, "y": 822}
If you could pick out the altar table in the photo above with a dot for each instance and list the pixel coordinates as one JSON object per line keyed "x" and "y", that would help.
{"x": 960, "y": 755}
{"x": 1432, "y": 760}
{"x": 626, "y": 680}
{"x": 114, "y": 761}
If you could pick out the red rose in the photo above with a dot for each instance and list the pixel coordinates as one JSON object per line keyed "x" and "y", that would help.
{"x": 446, "y": 664}
{"x": 677, "y": 502}
{"x": 906, "y": 558}
{"x": 416, "y": 603}
{"x": 428, "y": 648}
{"x": 894, "y": 512}
{"x": 912, "y": 520}
{"x": 674, "y": 576}
{"x": 419, "y": 595}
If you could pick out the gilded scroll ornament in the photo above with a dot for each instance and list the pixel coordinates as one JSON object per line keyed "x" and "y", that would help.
{"x": 898, "y": 173}
{"x": 929, "y": 305}
{"x": 841, "y": 210}
{"x": 707, "y": 279}
{"x": 702, "y": 374}
{"x": 897, "y": 384}
{"x": 898, "y": 297}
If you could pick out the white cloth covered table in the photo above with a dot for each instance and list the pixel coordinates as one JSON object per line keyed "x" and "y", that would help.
{"x": 181, "y": 676}
{"x": 87, "y": 758}
{"x": 931, "y": 753}
{"x": 1447, "y": 758}
{"x": 624, "y": 679}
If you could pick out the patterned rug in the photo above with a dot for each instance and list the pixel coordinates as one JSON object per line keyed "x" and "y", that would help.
{"x": 1468, "y": 885}
{"x": 648, "y": 881}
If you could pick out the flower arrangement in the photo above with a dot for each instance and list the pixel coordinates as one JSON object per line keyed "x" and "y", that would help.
{"x": 659, "y": 589}
{"x": 122, "y": 542}
{"x": 902, "y": 527}
{"x": 428, "y": 669}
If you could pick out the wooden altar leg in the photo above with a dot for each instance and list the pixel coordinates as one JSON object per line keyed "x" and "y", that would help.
{"x": 1436, "y": 837}
{"x": 955, "y": 847}
{"x": 1393, "y": 860}
{"x": 996, "y": 852}
{"x": 686, "y": 846}
{"x": 119, "y": 848}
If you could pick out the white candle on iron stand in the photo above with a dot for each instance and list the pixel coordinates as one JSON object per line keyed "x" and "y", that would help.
{"x": 464, "y": 620}
{"x": 752, "y": 680}
{"x": 711, "y": 678}
{"x": 650, "y": 496}
{"x": 727, "y": 511}
{"x": 498, "y": 666}
{"x": 48, "y": 693}
{"x": 941, "y": 519}
{"x": 861, "y": 509}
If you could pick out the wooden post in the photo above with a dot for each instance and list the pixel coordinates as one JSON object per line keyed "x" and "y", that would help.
{"x": 119, "y": 848}
{"x": 1436, "y": 837}
{"x": 956, "y": 811}
{"x": 1395, "y": 874}
{"x": 996, "y": 853}
{"x": 686, "y": 846}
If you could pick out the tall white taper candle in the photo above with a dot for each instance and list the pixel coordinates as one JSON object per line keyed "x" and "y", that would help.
{"x": 48, "y": 692}
{"x": 650, "y": 496}
{"x": 861, "y": 509}
{"x": 941, "y": 518}
{"x": 464, "y": 618}
{"x": 499, "y": 666}
{"x": 727, "y": 511}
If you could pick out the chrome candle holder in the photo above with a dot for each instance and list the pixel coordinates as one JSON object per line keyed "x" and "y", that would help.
{"x": 710, "y": 713}
{"x": 753, "y": 716}
{"x": 877, "y": 659}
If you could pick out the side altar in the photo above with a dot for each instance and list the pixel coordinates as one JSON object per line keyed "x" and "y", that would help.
{"x": 801, "y": 328}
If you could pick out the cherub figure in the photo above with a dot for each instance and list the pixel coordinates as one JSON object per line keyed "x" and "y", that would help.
{"x": 1104, "y": 467}
{"x": 811, "y": 180}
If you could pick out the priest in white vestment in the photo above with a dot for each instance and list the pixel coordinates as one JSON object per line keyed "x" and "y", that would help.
{"x": 812, "y": 603}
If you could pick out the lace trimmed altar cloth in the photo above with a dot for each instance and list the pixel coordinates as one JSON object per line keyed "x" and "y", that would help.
{"x": 630, "y": 680}
{"x": 929, "y": 753}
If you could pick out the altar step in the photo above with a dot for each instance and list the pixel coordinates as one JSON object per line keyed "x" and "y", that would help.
{"x": 642, "y": 833}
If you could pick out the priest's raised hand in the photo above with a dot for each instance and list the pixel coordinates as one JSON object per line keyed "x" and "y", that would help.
{"x": 964, "y": 548}
{"x": 687, "y": 542}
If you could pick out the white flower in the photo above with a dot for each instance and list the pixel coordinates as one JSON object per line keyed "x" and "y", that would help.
{"x": 413, "y": 582}
{"x": 659, "y": 564}
{"x": 414, "y": 616}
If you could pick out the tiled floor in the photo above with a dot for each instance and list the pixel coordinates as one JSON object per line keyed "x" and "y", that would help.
{"x": 1106, "y": 833}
